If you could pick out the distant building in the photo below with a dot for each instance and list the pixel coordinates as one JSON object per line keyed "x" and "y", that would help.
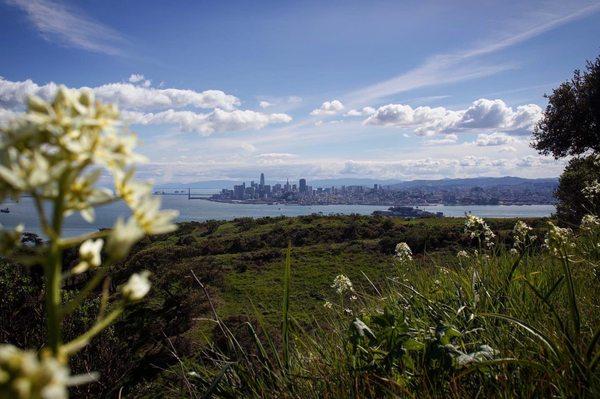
{"x": 302, "y": 186}
{"x": 262, "y": 180}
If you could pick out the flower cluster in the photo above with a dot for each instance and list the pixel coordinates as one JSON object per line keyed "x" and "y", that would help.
{"x": 592, "y": 190}
{"x": 476, "y": 227}
{"x": 58, "y": 150}
{"x": 462, "y": 254}
{"x": 341, "y": 284}
{"x": 23, "y": 375}
{"x": 522, "y": 235}
{"x": 590, "y": 223}
{"x": 558, "y": 239}
{"x": 403, "y": 252}
{"x": 57, "y": 153}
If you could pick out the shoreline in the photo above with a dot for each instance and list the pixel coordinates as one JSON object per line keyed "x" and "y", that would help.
{"x": 260, "y": 202}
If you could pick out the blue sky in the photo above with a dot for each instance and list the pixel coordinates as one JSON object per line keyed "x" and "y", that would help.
{"x": 224, "y": 90}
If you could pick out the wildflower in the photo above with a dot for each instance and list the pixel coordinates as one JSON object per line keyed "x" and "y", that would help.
{"x": 83, "y": 195}
{"x": 137, "y": 286}
{"x": 590, "y": 222}
{"x": 341, "y": 283}
{"x": 403, "y": 252}
{"x": 476, "y": 227}
{"x": 482, "y": 354}
{"x": 592, "y": 190}
{"x": 122, "y": 238}
{"x": 462, "y": 254}
{"x": 23, "y": 375}
{"x": 558, "y": 238}
{"x": 353, "y": 298}
{"x": 348, "y": 311}
{"x": 362, "y": 329}
{"x": 328, "y": 305}
{"x": 151, "y": 219}
{"x": 521, "y": 233}
{"x": 89, "y": 256}
{"x": 514, "y": 251}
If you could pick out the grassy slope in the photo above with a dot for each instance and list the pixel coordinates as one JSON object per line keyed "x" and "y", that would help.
{"x": 242, "y": 261}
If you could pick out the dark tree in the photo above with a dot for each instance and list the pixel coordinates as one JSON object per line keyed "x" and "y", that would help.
{"x": 571, "y": 122}
{"x": 572, "y": 205}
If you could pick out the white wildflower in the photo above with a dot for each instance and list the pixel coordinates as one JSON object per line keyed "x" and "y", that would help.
{"x": 122, "y": 237}
{"x": 137, "y": 286}
{"x": 476, "y": 227}
{"x": 341, "y": 283}
{"x": 558, "y": 239}
{"x": 592, "y": 190}
{"x": 23, "y": 375}
{"x": 521, "y": 234}
{"x": 328, "y": 305}
{"x": 462, "y": 254}
{"x": 514, "y": 251}
{"x": 403, "y": 252}
{"x": 89, "y": 256}
{"x": 353, "y": 297}
{"x": 590, "y": 222}
{"x": 348, "y": 311}
{"x": 151, "y": 219}
{"x": 362, "y": 329}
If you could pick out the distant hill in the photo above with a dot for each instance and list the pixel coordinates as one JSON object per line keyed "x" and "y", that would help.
{"x": 483, "y": 182}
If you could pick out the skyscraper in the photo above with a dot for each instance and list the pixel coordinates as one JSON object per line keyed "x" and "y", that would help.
{"x": 302, "y": 185}
{"x": 262, "y": 180}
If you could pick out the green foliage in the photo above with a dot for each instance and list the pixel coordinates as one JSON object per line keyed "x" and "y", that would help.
{"x": 571, "y": 122}
{"x": 572, "y": 204}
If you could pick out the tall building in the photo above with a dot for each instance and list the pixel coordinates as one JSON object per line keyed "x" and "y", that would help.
{"x": 302, "y": 185}
{"x": 262, "y": 180}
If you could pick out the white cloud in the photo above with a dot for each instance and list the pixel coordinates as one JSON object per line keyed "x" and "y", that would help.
{"x": 248, "y": 147}
{"x": 275, "y": 158}
{"x": 494, "y": 139}
{"x": 447, "y": 139}
{"x": 136, "y": 78}
{"x": 216, "y": 121}
{"x": 467, "y": 166}
{"x": 265, "y": 104}
{"x": 495, "y": 114}
{"x": 6, "y": 115}
{"x": 126, "y": 95}
{"x": 425, "y": 121}
{"x": 329, "y": 108}
{"x": 365, "y": 111}
{"x": 483, "y": 114}
{"x": 57, "y": 22}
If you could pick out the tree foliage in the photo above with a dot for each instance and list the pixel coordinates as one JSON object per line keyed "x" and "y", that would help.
{"x": 571, "y": 121}
{"x": 572, "y": 203}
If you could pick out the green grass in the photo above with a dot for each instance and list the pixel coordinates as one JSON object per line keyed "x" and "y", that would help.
{"x": 495, "y": 325}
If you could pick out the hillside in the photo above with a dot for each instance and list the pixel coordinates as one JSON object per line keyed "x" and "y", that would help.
{"x": 241, "y": 264}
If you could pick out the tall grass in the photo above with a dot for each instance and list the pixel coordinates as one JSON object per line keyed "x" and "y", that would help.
{"x": 496, "y": 324}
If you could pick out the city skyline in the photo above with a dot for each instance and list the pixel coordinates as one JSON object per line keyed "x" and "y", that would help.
{"x": 342, "y": 90}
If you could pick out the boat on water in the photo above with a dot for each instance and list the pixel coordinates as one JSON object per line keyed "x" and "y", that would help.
{"x": 5, "y": 210}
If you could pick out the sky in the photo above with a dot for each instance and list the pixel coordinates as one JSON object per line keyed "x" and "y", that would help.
{"x": 338, "y": 89}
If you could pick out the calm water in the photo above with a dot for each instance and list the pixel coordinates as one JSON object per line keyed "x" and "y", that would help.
{"x": 199, "y": 210}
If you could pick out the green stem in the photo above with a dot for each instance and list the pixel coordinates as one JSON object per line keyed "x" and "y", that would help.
{"x": 84, "y": 338}
{"x": 53, "y": 272}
